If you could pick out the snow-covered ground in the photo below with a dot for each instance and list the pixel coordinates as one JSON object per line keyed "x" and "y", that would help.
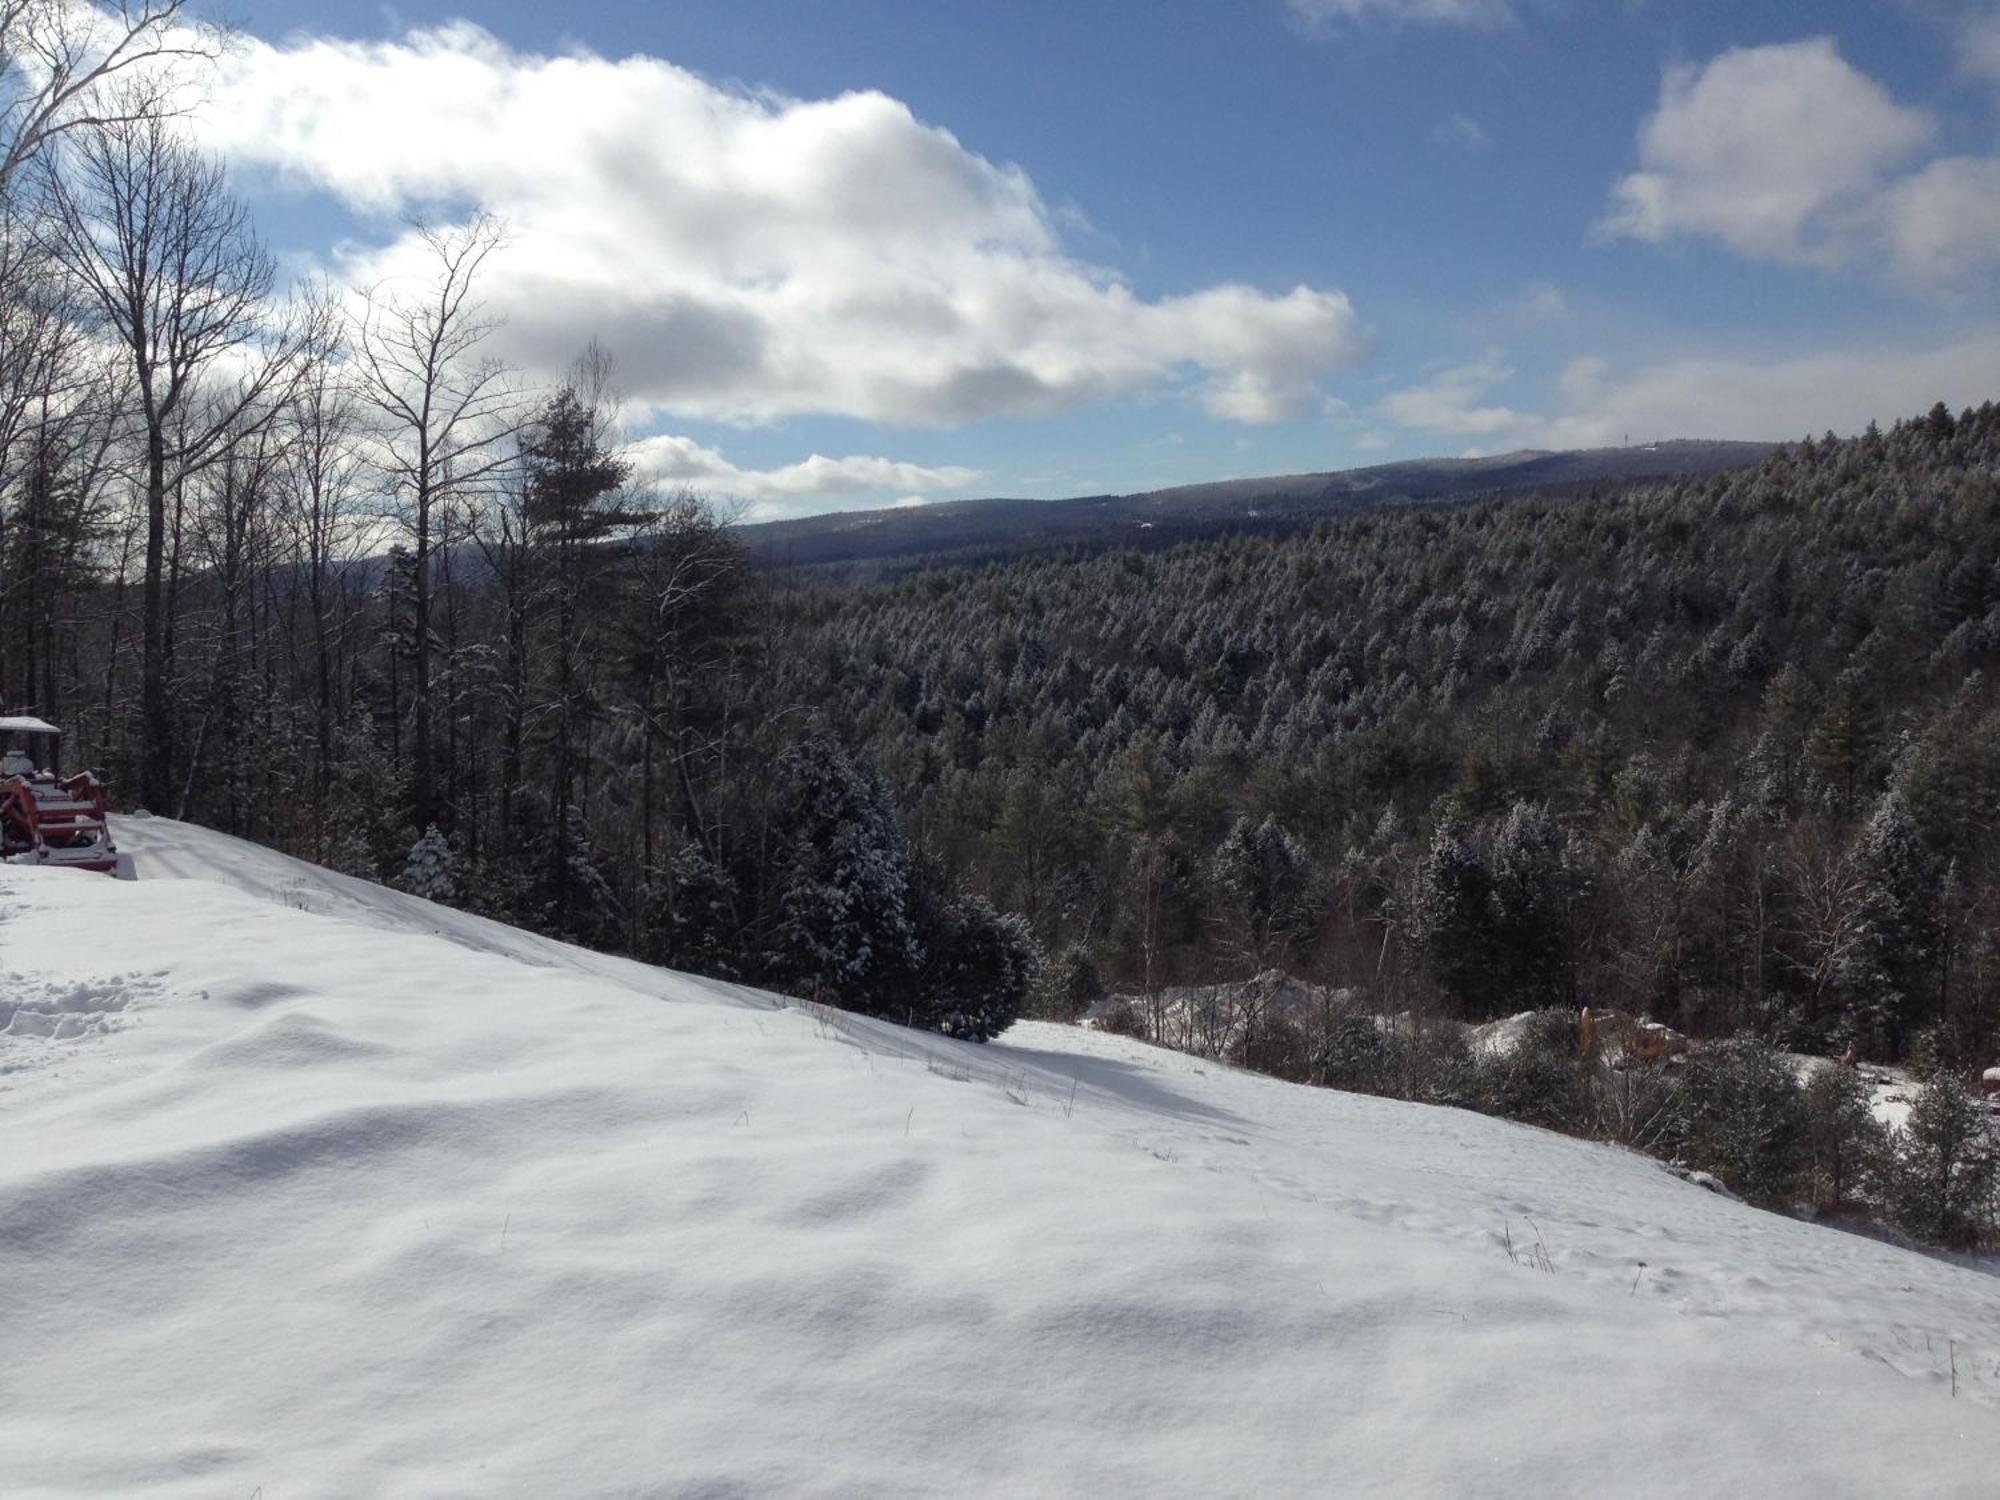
{"x": 370, "y": 1197}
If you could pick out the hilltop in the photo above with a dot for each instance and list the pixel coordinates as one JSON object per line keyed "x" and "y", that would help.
{"x": 318, "y": 1188}
{"x": 971, "y": 529}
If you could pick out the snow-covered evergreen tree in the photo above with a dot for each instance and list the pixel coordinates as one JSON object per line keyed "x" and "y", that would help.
{"x": 1531, "y": 886}
{"x": 978, "y": 965}
{"x": 702, "y": 922}
{"x": 1262, "y": 872}
{"x": 1743, "y": 1118}
{"x": 430, "y": 871}
{"x": 1898, "y": 929}
{"x": 841, "y": 927}
{"x": 1452, "y": 919}
{"x": 589, "y": 910}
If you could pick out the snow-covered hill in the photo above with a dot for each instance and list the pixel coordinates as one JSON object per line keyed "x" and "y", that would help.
{"x": 313, "y": 1189}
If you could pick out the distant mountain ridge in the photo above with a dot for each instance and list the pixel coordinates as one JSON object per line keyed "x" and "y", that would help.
{"x": 1001, "y": 527}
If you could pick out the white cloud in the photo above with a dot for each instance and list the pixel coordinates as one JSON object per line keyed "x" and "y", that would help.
{"x": 748, "y": 257}
{"x": 1449, "y": 401}
{"x": 1943, "y": 223}
{"x": 1841, "y": 390}
{"x": 1704, "y": 397}
{"x": 1460, "y": 130}
{"x": 1331, "y": 13}
{"x": 1540, "y": 305}
{"x": 1776, "y": 151}
{"x": 677, "y": 461}
{"x": 1789, "y": 154}
{"x": 1979, "y": 44}
{"x": 1583, "y": 379}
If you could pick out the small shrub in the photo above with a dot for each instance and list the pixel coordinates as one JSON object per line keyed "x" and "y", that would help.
{"x": 1122, "y": 1018}
{"x": 1065, "y": 987}
{"x": 1356, "y": 1056}
{"x": 1636, "y": 1106}
{"x": 1277, "y": 1046}
{"x": 1438, "y": 1066}
{"x": 1540, "y": 1081}
{"x": 1742, "y": 1117}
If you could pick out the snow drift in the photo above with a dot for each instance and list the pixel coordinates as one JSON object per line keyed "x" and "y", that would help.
{"x": 316, "y": 1189}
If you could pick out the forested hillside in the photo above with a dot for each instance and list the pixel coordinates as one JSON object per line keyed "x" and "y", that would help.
{"x": 1721, "y": 750}
{"x": 979, "y": 531}
{"x": 310, "y": 564}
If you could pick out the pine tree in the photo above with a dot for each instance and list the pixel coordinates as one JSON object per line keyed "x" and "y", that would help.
{"x": 570, "y": 507}
{"x": 1844, "y": 1144}
{"x": 1262, "y": 874}
{"x": 1946, "y": 1166}
{"x": 365, "y": 832}
{"x": 1844, "y": 743}
{"x": 587, "y": 910}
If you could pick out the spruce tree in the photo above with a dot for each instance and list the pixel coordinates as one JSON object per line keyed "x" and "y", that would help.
{"x": 976, "y": 969}
{"x": 1451, "y": 920}
{"x": 841, "y": 928}
{"x": 429, "y": 872}
{"x": 1844, "y": 743}
{"x": 1896, "y": 983}
{"x": 1531, "y": 883}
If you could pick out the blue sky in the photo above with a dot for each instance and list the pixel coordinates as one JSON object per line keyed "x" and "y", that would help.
{"x": 849, "y": 254}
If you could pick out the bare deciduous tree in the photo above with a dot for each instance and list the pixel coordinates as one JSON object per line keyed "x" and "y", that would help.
{"x": 66, "y": 67}
{"x": 446, "y": 409}
{"x": 318, "y": 497}
{"x": 169, "y": 266}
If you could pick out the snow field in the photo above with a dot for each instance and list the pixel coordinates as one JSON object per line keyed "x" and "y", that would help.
{"x": 375, "y": 1198}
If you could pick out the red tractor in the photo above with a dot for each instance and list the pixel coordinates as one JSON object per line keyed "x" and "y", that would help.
{"x": 47, "y": 818}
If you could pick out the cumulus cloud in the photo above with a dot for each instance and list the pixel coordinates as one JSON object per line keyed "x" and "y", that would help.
{"x": 1332, "y": 13}
{"x": 1450, "y": 401}
{"x": 1790, "y": 154}
{"x": 1776, "y": 151}
{"x": 1841, "y": 390}
{"x": 678, "y": 461}
{"x": 748, "y": 257}
{"x": 1943, "y": 223}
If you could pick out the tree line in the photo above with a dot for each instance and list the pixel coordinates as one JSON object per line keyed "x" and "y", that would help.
{"x": 309, "y": 563}
{"x": 1719, "y": 751}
